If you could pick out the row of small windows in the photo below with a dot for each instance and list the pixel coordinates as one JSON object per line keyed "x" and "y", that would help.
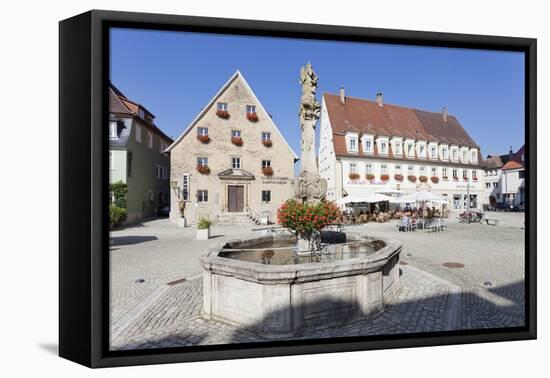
{"x": 203, "y": 131}
{"x": 411, "y": 171}
{"x": 383, "y": 149}
{"x": 235, "y": 162}
{"x": 224, "y": 107}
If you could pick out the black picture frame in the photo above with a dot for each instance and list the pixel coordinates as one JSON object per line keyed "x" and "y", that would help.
{"x": 83, "y": 196}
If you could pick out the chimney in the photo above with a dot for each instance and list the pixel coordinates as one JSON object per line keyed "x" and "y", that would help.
{"x": 445, "y": 114}
{"x": 342, "y": 95}
{"x": 380, "y": 99}
{"x": 510, "y": 153}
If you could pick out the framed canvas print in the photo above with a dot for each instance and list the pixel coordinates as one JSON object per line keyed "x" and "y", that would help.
{"x": 235, "y": 188}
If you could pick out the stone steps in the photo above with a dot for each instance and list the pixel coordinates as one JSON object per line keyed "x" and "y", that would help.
{"x": 234, "y": 219}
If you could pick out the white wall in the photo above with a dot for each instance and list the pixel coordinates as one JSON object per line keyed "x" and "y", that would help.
{"x": 30, "y": 325}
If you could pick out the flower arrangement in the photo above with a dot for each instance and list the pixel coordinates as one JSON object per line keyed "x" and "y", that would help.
{"x": 203, "y": 169}
{"x": 303, "y": 219}
{"x": 224, "y": 114}
{"x": 398, "y": 177}
{"x": 267, "y": 142}
{"x": 237, "y": 141}
{"x": 423, "y": 178}
{"x": 354, "y": 176}
{"x": 252, "y": 117}
{"x": 475, "y": 178}
{"x": 434, "y": 179}
{"x": 267, "y": 171}
{"x": 370, "y": 176}
{"x": 411, "y": 178}
{"x": 203, "y": 138}
{"x": 445, "y": 177}
{"x": 385, "y": 177}
{"x": 203, "y": 224}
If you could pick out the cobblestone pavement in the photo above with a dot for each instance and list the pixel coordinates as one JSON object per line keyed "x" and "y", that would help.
{"x": 162, "y": 312}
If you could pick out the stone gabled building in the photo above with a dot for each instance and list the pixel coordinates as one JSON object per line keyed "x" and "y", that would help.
{"x": 232, "y": 160}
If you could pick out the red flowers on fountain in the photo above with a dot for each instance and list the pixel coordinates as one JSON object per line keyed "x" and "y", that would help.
{"x": 435, "y": 179}
{"x": 252, "y": 117}
{"x": 267, "y": 171}
{"x": 237, "y": 141}
{"x": 411, "y": 178}
{"x": 203, "y": 138}
{"x": 305, "y": 218}
{"x": 354, "y": 176}
{"x": 423, "y": 178}
{"x": 203, "y": 169}
{"x": 385, "y": 177}
{"x": 224, "y": 114}
{"x": 398, "y": 177}
{"x": 267, "y": 142}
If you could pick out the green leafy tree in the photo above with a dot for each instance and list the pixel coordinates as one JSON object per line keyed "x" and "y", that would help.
{"x": 119, "y": 191}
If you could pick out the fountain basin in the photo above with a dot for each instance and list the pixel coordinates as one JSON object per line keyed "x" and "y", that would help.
{"x": 256, "y": 285}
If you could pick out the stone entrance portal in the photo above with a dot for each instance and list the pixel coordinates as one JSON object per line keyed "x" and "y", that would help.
{"x": 235, "y": 196}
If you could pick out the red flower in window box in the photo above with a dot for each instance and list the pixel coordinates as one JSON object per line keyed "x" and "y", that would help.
{"x": 398, "y": 177}
{"x": 385, "y": 177}
{"x": 267, "y": 171}
{"x": 237, "y": 141}
{"x": 252, "y": 117}
{"x": 423, "y": 178}
{"x": 267, "y": 142}
{"x": 411, "y": 178}
{"x": 203, "y": 138}
{"x": 370, "y": 176}
{"x": 465, "y": 178}
{"x": 435, "y": 179}
{"x": 224, "y": 114}
{"x": 354, "y": 176}
{"x": 475, "y": 179}
{"x": 445, "y": 178}
{"x": 203, "y": 169}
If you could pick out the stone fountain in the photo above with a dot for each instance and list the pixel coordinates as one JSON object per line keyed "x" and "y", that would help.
{"x": 279, "y": 287}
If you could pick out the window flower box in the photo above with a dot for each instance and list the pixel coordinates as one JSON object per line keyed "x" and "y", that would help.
{"x": 252, "y": 117}
{"x": 398, "y": 177}
{"x": 203, "y": 169}
{"x": 370, "y": 176}
{"x": 203, "y": 138}
{"x": 475, "y": 179}
{"x": 237, "y": 141}
{"x": 411, "y": 178}
{"x": 353, "y": 176}
{"x": 267, "y": 142}
{"x": 385, "y": 177}
{"x": 445, "y": 178}
{"x": 423, "y": 178}
{"x": 435, "y": 179}
{"x": 224, "y": 114}
{"x": 267, "y": 171}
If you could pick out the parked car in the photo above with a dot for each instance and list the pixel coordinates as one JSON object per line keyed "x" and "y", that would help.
{"x": 163, "y": 211}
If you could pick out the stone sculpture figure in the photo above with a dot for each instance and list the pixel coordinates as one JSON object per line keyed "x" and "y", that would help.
{"x": 309, "y": 187}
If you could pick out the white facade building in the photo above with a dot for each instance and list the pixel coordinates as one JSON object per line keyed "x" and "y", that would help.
{"x": 368, "y": 146}
{"x": 505, "y": 179}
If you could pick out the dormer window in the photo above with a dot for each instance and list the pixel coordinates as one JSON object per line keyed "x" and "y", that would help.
{"x": 445, "y": 153}
{"x": 368, "y": 146}
{"x": 352, "y": 140}
{"x": 473, "y": 156}
{"x": 113, "y": 130}
{"x": 410, "y": 149}
{"x": 141, "y": 114}
{"x": 464, "y": 155}
{"x": 383, "y": 148}
{"x": 397, "y": 149}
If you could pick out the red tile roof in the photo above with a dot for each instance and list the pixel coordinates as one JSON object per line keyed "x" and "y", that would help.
{"x": 365, "y": 116}
{"x": 512, "y": 165}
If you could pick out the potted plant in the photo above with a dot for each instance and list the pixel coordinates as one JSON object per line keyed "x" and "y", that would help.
{"x": 353, "y": 176}
{"x": 203, "y": 138}
{"x": 237, "y": 140}
{"x": 203, "y": 169}
{"x": 398, "y": 177}
{"x": 203, "y": 229}
{"x": 252, "y": 117}
{"x": 267, "y": 171}
{"x": 267, "y": 142}
{"x": 223, "y": 114}
{"x": 423, "y": 178}
{"x": 435, "y": 179}
{"x": 369, "y": 176}
{"x": 385, "y": 177}
{"x": 411, "y": 178}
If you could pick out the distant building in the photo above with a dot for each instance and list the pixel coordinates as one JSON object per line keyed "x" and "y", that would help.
{"x": 136, "y": 156}
{"x": 232, "y": 163}
{"x": 505, "y": 178}
{"x": 369, "y": 146}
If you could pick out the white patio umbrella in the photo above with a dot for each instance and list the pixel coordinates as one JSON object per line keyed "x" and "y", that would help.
{"x": 373, "y": 198}
{"x": 350, "y": 199}
{"x": 420, "y": 196}
{"x": 389, "y": 192}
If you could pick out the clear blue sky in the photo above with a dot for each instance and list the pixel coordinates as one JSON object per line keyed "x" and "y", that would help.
{"x": 175, "y": 74}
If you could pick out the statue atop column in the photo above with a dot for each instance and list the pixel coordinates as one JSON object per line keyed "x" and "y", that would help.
{"x": 309, "y": 187}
